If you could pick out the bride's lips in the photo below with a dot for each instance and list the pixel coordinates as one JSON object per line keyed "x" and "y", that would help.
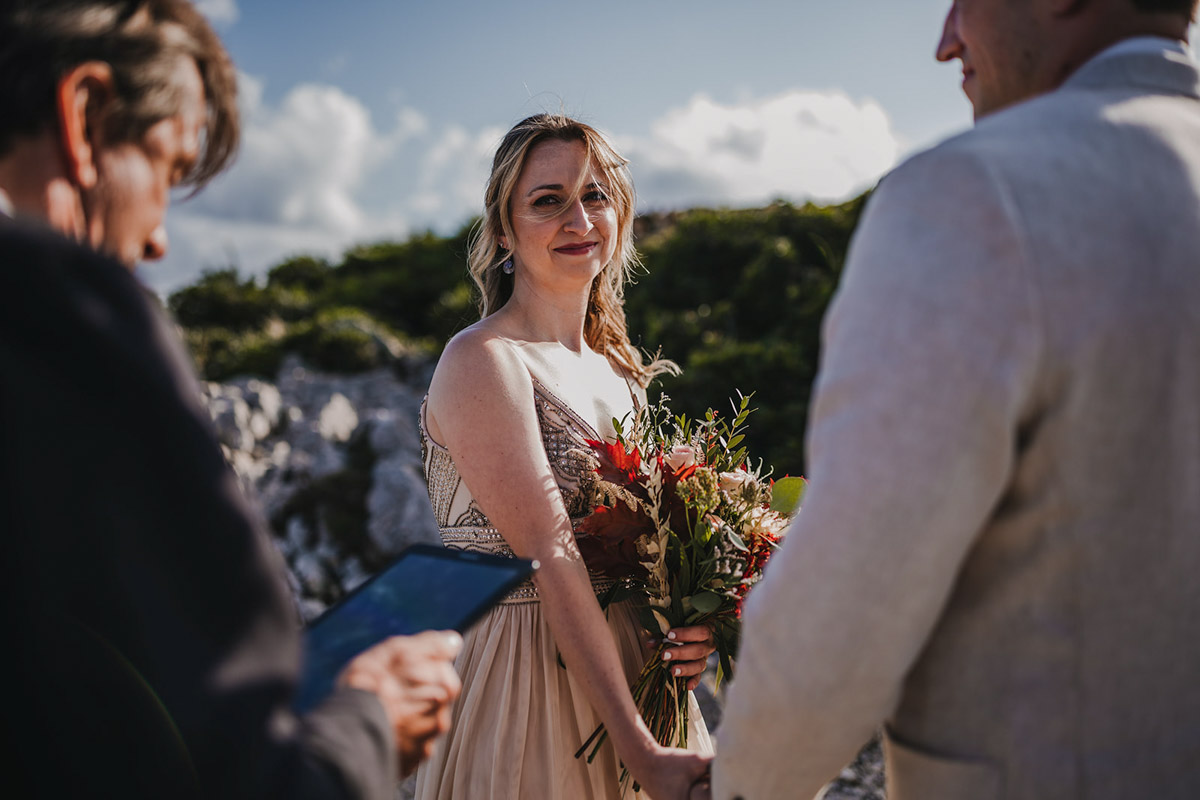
{"x": 578, "y": 249}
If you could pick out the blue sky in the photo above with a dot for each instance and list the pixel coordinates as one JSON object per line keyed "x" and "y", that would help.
{"x": 374, "y": 119}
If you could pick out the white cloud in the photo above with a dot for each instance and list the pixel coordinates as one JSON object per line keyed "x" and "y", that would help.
{"x": 219, "y": 11}
{"x": 798, "y": 145}
{"x": 295, "y": 186}
{"x": 301, "y": 163}
{"x": 453, "y": 175}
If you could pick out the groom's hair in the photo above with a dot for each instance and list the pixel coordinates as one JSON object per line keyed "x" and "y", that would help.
{"x": 142, "y": 42}
{"x": 1186, "y": 8}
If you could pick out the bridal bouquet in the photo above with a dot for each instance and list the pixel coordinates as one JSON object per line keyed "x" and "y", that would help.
{"x": 683, "y": 521}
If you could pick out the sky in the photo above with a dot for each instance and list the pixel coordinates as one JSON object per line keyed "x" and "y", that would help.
{"x": 376, "y": 119}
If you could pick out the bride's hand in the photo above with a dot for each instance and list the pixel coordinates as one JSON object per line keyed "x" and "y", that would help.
{"x": 689, "y": 655}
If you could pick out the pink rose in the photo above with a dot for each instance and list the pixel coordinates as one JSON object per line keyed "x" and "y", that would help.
{"x": 679, "y": 457}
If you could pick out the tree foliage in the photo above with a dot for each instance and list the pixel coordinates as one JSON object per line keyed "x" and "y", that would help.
{"x": 736, "y": 298}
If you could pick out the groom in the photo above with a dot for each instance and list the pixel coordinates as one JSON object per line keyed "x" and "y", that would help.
{"x": 999, "y": 554}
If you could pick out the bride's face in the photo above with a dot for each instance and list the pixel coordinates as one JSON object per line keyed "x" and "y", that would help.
{"x": 565, "y": 229}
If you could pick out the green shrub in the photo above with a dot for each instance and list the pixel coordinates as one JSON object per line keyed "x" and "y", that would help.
{"x": 221, "y": 299}
{"x": 737, "y": 299}
{"x": 303, "y": 272}
{"x": 342, "y": 349}
{"x": 348, "y": 339}
{"x": 222, "y": 354}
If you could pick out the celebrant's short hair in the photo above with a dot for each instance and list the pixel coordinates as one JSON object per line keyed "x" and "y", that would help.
{"x": 142, "y": 42}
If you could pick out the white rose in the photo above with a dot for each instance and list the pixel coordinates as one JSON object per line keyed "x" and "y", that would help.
{"x": 680, "y": 456}
{"x": 733, "y": 482}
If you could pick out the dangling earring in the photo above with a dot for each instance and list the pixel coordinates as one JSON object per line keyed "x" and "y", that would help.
{"x": 507, "y": 267}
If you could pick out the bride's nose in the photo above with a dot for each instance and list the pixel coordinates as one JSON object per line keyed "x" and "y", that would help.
{"x": 576, "y": 218}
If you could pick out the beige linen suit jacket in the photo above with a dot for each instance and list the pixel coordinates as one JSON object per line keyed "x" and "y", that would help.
{"x": 999, "y": 553}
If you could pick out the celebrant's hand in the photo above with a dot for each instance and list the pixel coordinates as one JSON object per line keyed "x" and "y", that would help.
{"x": 415, "y": 681}
{"x": 687, "y": 652}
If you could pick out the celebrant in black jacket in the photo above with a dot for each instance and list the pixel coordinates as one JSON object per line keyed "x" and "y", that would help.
{"x": 150, "y": 647}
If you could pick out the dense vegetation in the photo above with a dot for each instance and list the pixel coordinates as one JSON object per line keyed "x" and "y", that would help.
{"x": 735, "y": 297}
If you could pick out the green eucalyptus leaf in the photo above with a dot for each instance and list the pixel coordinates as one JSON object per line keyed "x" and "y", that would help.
{"x": 706, "y": 602}
{"x": 736, "y": 541}
{"x": 787, "y": 494}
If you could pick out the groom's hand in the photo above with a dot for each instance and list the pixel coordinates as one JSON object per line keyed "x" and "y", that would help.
{"x": 688, "y": 652}
{"x": 415, "y": 681}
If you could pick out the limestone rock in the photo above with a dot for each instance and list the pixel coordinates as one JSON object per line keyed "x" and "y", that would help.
{"x": 334, "y": 461}
{"x": 337, "y": 419}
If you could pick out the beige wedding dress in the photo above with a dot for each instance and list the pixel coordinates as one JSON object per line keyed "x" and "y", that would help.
{"x": 521, "y": 715}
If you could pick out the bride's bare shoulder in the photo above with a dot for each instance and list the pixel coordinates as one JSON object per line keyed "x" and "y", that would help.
{"x": 479, "y": 355}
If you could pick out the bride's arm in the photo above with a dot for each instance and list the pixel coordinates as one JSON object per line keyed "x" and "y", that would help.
{"x": 481, "y": 401}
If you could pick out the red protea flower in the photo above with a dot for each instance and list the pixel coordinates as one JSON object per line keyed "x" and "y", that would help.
{"x": 608, "y": 540}
{"x": 620, "y": 466}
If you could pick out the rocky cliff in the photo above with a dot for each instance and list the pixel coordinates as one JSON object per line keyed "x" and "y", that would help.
{"x": 335, "y": 463}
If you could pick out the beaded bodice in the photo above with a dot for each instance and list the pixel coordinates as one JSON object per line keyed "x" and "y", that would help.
{"x": 465, "y": 526}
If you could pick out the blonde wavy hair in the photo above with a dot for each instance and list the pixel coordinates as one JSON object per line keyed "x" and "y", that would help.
{"x": 604, "y": 326}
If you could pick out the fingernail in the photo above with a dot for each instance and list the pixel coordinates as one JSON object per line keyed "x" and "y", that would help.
{"x": 678, "y": 671}
{"x": 454, "y": 639}
{"x": 671, "y": 635}
{"x": 667, "y": 655}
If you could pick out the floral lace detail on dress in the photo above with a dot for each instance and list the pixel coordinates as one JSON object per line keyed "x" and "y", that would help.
{"x": 565, "y": 436}
{"x": 464, "y": 526}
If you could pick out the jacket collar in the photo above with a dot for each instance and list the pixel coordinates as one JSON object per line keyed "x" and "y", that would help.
{"x": 1165, "y": 70}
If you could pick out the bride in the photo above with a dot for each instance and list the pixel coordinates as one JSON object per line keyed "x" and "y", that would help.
{"x": 512, "y": 403}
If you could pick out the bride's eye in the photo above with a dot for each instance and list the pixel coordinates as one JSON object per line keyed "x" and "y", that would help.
{"x": 545, "y": 200}
{"x": 595, "y": 196}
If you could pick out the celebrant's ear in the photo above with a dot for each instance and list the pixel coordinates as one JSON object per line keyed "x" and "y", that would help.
{"x": 82, "y": 99}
